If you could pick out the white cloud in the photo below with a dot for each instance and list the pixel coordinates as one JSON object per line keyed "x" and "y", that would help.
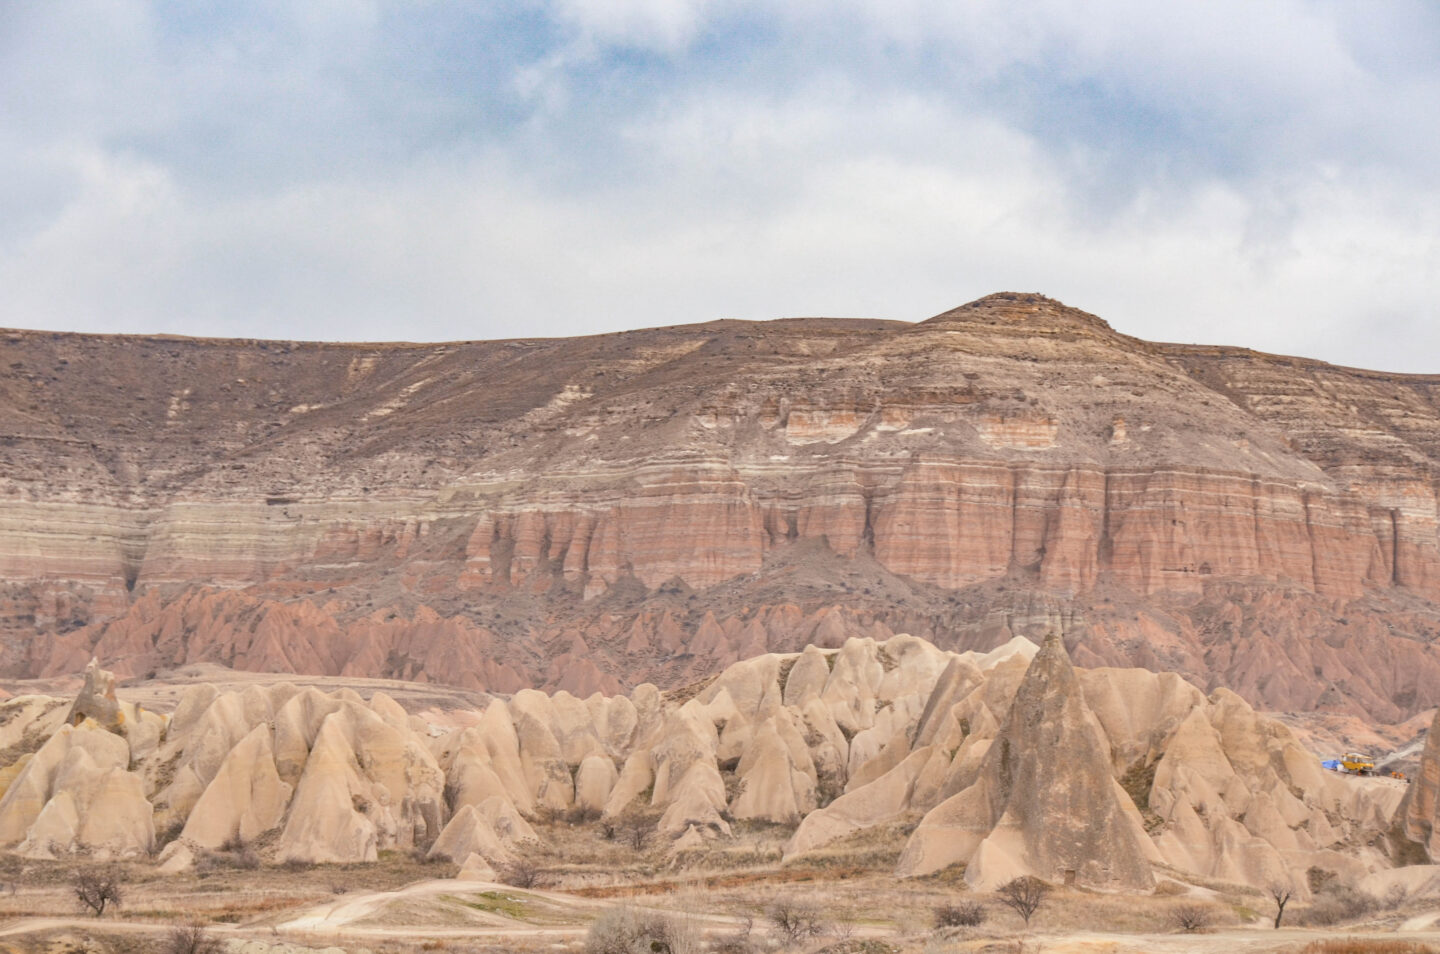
{"x": 927, "y": 159}
{"x": 667, "y": 26}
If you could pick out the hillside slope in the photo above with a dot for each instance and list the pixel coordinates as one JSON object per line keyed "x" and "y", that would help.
{"x": 591, "y": 513}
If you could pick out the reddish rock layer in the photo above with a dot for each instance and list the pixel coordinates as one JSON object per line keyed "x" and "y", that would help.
{"x": 593, "y": 512}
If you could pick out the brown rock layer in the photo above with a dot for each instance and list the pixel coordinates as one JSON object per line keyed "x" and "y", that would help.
{"x": 657, "y": 504}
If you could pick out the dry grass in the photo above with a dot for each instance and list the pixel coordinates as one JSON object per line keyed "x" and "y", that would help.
{"x": 1353, "y": 945}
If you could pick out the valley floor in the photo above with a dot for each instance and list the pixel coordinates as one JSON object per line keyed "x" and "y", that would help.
{"x": 401, "y": 906}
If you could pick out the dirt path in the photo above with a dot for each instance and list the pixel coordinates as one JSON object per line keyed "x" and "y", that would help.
{"x": 340, "y": 920}
{"x": 341, "y": 917}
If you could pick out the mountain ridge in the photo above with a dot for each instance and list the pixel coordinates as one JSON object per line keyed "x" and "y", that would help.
{"x": 641, "y": 504}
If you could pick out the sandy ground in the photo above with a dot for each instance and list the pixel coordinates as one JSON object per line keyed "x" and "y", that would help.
{"x": 414, "y": 914}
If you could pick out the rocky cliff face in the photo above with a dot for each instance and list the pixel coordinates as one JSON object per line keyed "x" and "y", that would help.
{"x": 589, "y": 513}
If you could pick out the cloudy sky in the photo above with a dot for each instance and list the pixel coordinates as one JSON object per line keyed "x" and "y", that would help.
{"x": 1256, "y": 172}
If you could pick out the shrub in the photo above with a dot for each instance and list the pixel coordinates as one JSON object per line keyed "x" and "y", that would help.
{"x": 625, "y": 930}
{"x": 962, "y": 914}
{"x": 190, "y": 939}
{"x": 637, "y": 833}
{"x": 1336, "y": 904}
{"x": 521, "y": 874}
{"x": 796, "y": 922}
{"x": 1191, "y": 918}
{"x": 243, "y": 857}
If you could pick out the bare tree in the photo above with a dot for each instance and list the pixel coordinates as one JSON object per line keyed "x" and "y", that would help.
{"x": 97, "y": 888}
{"x": 1280, "y": 894}
{"x": 191, "y": 939}
{"x": 1024, "y": 895}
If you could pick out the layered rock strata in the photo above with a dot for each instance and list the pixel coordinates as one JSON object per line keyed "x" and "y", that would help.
{"x": 610, "y": 503}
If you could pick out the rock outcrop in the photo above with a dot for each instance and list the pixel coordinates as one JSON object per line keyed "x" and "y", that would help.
{"x": 1419, "y": 815}
{"x": 1013, "y": 761}
{"x": 593, "y": 513}
{"x": 1046, "y": 802}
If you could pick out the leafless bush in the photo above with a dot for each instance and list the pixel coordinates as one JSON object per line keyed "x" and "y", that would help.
{"x": 637, "y": 835}
{"x": 97, "y": 888}
{"x": 738, "y": 943}
{"x": 1024, "y": 895}
{"x": 625, "y": 930}
{"x": 1336, "y": 904}
{"x": 1191, "y": 918}
{"x": 239, "y": 856}
{"x": 581, "y": 815}
{"x": 1396, "y": 896}
{"x": 191, "y": 939}
{"x": 796, "y": 922}
{"x": 961, "y": 914}
{"x": 521, "y": 874}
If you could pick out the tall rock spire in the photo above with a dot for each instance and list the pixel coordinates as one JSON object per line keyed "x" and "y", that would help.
{"x": 1419, "y": 813}
{"x": 1045, "y": 803}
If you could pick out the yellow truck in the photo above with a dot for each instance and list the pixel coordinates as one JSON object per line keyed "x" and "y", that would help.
{"x": 1357, "y": 764}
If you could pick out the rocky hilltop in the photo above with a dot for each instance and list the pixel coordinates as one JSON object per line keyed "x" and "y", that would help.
{"x": 591, "y": 513}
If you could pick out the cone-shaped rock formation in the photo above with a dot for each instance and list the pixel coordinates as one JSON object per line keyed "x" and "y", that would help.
{"x": 1045, "y": 803}
{"x": 1419, "y": 814}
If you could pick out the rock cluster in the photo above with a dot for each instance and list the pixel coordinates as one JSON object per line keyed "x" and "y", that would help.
{"x": 1045, "y": 802}
{"x": 1013, "y": 762}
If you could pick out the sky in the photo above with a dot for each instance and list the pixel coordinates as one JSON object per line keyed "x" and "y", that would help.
{"x": 1263, "y": 173}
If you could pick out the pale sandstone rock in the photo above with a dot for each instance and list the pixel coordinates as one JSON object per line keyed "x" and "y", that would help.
{"x": 97, "y": 700}
{"x": 772, "y": 787}
{"x": 1419, "y": 814}
{"x": 1417, "y": 882}
{"x": 884, "y": 800}
{"x": 469, "y": 834}
{"x": 1227, "y": 793}
{"x": 57, "y": 763}
{"x": 594, "y": 781}
{"x": 1046, "y": 802}
{"x": 245, "y": 799}
{"x": 330, "y": 815}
